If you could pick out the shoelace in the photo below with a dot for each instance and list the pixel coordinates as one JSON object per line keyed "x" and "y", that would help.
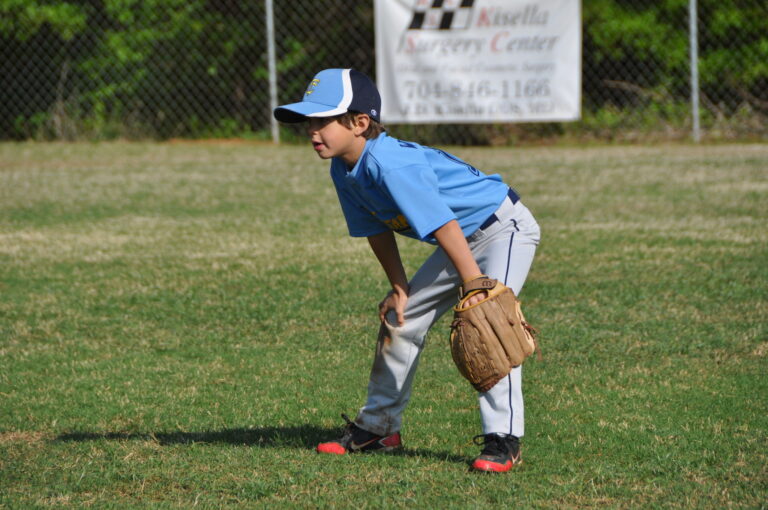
{"x": 492, "y": 444}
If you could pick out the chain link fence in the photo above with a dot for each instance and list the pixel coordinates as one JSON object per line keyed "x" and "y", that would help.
{"x": 103, "y": 69}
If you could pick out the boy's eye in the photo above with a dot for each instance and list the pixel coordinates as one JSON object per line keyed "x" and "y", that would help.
{"x": 319, "y": 123}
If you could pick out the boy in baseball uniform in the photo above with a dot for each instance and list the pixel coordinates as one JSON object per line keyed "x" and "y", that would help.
{"x": 477, "y": 222}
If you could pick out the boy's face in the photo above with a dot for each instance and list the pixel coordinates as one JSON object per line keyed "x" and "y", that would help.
{"x": 331, "y": 139}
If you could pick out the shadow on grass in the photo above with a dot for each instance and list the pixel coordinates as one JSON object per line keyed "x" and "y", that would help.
{"x": 303, "y": 437}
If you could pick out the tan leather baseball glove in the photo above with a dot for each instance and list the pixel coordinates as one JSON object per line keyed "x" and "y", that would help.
{"x": 491, "y": 337}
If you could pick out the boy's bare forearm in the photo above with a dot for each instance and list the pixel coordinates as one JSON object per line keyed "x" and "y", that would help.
{"x": 451, "y": 239}
{"x": 384, "y": 246}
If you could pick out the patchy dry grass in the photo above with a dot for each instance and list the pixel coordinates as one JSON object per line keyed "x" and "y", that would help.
{"x": 181, "y": 323}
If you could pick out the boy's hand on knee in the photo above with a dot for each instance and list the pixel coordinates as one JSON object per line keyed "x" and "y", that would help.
{"x": 395, "y": 300}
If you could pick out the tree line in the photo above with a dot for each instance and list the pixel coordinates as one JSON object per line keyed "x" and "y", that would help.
{"x": 167, "y": 68}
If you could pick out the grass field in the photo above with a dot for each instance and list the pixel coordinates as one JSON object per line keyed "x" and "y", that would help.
{"x": 180, "y": 324}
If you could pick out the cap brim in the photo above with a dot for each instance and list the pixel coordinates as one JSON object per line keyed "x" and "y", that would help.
{"x": 298, "y": 112}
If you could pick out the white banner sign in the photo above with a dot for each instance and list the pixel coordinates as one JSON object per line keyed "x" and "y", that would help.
{"x": 478, "y": 60}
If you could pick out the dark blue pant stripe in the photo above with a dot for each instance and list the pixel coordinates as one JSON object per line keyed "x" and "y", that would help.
{"x": 509, "y": 257}
{"x": 511, "y": 412}
{"x": 509, "y": 377}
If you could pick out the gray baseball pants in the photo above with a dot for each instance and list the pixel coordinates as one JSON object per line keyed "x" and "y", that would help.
{"x": 504, "y": 251}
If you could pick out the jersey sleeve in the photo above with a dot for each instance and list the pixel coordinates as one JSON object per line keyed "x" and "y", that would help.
{"x": 414, "y": 189}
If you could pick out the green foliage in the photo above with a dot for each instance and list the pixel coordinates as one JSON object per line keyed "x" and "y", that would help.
{"x": 641, "y": 32}
{"x": 75, "y": 66}
{"x": 140, "y": 60}
{"x": 22, "y": 19}
{"x": 650, "y": 42}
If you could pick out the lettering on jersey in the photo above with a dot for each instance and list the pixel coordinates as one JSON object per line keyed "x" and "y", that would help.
{"x": 458, "y": 161}
{"x": 410, "y": 145}
{"x": 398, "y": 224}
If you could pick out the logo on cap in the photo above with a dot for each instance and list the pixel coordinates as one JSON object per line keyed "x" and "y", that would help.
{"x": 314, "y": 83}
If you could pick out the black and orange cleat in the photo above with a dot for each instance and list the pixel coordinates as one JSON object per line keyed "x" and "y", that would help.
{"x": 500, "y": 453}
{"x": 355, "y": 439}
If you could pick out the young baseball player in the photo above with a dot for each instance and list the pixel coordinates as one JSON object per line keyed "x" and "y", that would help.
{"x": 479, "y": 227}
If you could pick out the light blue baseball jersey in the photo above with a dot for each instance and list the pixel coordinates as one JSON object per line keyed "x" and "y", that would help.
{"x": 413, "y": 190}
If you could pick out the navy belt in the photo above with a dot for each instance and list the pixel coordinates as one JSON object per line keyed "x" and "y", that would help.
{"x": 513, "y": 196}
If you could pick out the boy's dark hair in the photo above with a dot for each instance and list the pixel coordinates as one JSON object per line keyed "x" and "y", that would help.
{"x": 375, "y": 128}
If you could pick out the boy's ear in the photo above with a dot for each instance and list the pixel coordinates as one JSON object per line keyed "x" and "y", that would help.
{"x": 361, "y": 123}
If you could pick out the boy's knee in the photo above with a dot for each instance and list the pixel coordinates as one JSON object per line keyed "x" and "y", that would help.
{"x": 412, "y": 331}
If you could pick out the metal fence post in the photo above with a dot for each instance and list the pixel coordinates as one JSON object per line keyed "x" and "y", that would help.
{"x": 272, "y": 69}
{"x": 694, "y": 70}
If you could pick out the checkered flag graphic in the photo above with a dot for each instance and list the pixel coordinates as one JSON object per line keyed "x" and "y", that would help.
{"x": 441, "y": 14}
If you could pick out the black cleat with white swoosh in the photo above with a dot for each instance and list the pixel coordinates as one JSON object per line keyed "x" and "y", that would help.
{"x": 355, "y": 439}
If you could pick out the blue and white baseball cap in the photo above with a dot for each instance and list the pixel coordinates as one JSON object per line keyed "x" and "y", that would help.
{"x": 334, "y": 92}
